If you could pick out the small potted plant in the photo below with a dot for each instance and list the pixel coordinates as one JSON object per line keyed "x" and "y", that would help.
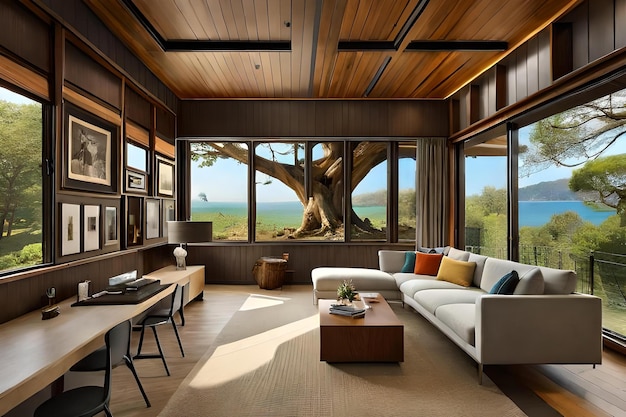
{"x": 346, "y": 292}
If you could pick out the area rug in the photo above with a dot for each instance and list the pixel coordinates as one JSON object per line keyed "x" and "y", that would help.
{"x": 265, "y": 362}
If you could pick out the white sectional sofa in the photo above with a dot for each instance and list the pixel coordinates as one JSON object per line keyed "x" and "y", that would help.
{"x": 542, "y": 322}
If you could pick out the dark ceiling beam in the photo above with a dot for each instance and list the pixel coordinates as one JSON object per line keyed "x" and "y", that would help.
{"x": 225, "y": 46}
{"x": 443, "y": 45}
{"x": 410, "y": 22}
{"x": 203, "y": 45}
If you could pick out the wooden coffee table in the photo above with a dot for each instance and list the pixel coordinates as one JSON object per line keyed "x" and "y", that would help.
{"x": 377, "y": 337}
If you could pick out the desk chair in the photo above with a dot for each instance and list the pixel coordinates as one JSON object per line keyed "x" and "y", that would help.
{"x": 90, "y": 400}
{"x": 157, "y": 317}
{"x": 96, "y": 361}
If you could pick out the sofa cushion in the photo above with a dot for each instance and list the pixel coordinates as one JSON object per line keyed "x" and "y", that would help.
{"x": 530, "y": 283}
{"x": 480, "y": 266}
{"x": 495, "y": 268}
{"x": 402, "y": 277}
{"x": 460, "y": 318}
{"x": 329, "y": 278}
{"x": 558, "y": 281}
{"x": 425, "y": 282}
{"x": 427, "y": 263}
{"x": 457, "y": 254}
{"x": 506, "y": 284}
{"x": 409, "y": 262}
{"x": 433, "y": 299}
{"x": 457, "y": 272}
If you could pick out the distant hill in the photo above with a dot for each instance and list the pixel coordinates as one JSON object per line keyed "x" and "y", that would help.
{"x": 557, "y": 190}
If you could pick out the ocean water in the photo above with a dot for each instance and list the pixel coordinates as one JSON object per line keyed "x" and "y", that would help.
{"x": 531, "y": 213}
{"x": 538, "y": 213}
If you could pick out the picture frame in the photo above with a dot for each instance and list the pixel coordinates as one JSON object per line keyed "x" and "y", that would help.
{"x": 90, "y": 152}
{"x": 135, "y": 182}
{"x": 110, "y": 226}
{"x": 165, "y": 173}
{"x": 91, "y": 227}
{"x": 153, "y": 218}
{"x": 70, "y": 229}
{"x": 168, "y": 213}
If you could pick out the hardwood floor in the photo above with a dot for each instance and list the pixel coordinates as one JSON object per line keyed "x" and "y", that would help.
{"x": 590, "y": 392}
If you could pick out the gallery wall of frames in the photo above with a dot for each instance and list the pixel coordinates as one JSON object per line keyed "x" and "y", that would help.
{"x": 115, "y": 163}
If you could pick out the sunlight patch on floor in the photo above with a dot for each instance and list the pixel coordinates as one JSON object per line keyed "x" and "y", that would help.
{"x": 256, "y": 301}
{"x": 236, "y": 359}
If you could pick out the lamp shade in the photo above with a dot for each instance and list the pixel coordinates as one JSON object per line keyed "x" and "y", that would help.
{"x": 189, "y": 232}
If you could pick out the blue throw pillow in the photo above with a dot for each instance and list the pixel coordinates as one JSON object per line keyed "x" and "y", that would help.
{"x": 506, "y": 284}
{"x": 409, "y": 262}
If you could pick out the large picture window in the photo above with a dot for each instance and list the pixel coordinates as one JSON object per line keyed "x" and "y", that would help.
{"x": 300, "y": 190}
{"x": 23, "y": 233}
{"x": 572, "y": 198}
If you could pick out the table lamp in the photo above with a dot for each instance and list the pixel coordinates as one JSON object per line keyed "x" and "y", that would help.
{"x": 183, "y": 233}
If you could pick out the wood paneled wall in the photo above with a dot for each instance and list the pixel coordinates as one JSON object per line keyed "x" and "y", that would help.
{"x": 232, "y": 264}
{"x": 313, "y": 118}
{"x": 75, "y": 14}
{"x": 24, "y": 35}
{"x": 586, "y": 34}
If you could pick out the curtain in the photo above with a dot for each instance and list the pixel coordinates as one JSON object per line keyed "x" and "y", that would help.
{"x": 431, "y": 192}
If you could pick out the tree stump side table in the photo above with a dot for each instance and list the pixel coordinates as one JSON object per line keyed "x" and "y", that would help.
{"x": 269, "y": 272}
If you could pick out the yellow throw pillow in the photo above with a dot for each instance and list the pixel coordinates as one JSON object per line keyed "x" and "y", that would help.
{"x": 456, "y": 272}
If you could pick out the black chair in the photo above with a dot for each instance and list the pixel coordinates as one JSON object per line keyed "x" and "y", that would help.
{"x": 96, "y": 361}
{"x": 90, "y": 400}
{"x": 157, "y": 317}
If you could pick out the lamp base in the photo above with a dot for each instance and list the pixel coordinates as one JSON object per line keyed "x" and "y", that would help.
{"x": 180, "y": 254}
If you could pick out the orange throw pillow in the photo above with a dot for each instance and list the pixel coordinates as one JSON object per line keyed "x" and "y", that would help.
{"x": 427, "y": 263}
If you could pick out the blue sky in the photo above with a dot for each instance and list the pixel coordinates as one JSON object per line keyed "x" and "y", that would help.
{"x": 490, "y": 170}
{"x": 234, "y": 175}
{"x": 10, "y": 96}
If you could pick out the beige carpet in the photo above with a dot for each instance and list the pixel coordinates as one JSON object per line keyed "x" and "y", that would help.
{"x": 266, "y": 363}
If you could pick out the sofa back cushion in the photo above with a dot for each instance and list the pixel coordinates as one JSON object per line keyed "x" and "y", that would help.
{"x": 531, "y": 280}
{"x": 558, "y": 281}
{"x": 479, "y": 260}
{"x": 457, "y": 254}
{"x": 391, "y": 261}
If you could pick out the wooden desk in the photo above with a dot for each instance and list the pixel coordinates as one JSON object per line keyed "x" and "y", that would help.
{"x": 35, "y": 352}
{"x": 192, "y": 278}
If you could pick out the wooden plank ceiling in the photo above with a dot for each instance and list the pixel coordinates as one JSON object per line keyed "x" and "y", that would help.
{"x": 323, "y": 48}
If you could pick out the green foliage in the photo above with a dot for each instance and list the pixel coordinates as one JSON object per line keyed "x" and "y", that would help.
{"x": 606, "y": 178}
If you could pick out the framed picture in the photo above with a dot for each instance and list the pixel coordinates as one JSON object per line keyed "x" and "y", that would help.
{"x": 91, "y": 228}
{"x": 136, "y": 182}
{"x": 168, "y": 214}
{"x": 110, "y": 226}
{"x": 153, "y": 218}
{"x": 91, "y": 155}
{"x": 70, "y": 229}
{"x": 165, "y": 177}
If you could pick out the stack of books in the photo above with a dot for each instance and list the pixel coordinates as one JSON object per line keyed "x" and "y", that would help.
{"x": 350, "y": 311}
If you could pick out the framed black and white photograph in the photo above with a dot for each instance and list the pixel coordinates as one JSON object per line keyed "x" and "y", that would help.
{"x": 136, "y": 182}
{"x": 91, "y": 228}
{"x": 70, "y": 229}
{"x": 110, "y": 226}
{"x": 153, "y": 218}
{"x": 90, "y": 160}
{"x": 165, "y": 177}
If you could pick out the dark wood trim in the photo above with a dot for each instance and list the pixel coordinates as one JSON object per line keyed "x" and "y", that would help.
{"x": 456, "y": 45}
